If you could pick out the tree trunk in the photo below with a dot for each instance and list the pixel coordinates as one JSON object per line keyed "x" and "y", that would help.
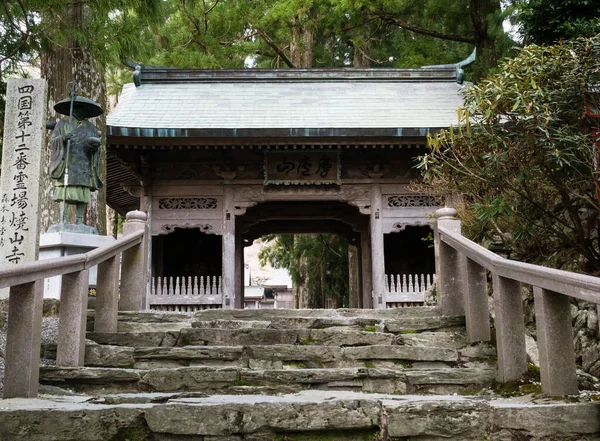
{"x": 302, "y": 45}
{"x": 482, "y": 11}
{"x": 61, "y": 64}
{"x": 360, "y": 58}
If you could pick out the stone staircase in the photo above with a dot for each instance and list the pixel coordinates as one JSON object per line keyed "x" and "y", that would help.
{"x": 258, "y": 375}
{"x": 409, "y": 351}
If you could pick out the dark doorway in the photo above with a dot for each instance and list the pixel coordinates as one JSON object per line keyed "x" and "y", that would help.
{"x": 410, "y": 251}
{"x": 186, "y": 253}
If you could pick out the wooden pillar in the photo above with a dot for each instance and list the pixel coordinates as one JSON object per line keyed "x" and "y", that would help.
{"x": 229, "y": 274}
{"x": 377, "y": 252}
{"x": 239, "y": 271}
{"x": 365, "y": 262}
{"x": 354, "y": 276}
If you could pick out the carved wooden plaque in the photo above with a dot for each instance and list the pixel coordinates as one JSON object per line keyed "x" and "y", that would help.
{"x": 302, "y": 167}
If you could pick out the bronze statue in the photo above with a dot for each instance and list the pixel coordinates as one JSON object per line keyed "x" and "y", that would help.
{"x": 75, "y": 160}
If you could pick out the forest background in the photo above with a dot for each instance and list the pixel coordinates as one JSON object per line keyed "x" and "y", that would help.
{"x": 85, "y": 41}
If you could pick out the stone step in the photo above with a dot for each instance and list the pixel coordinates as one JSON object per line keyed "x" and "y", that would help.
{"x": 231, "y": 380}
{"x": 308, "y": 415}
{"x": 269, "y": 314}
{"x": 181, "y": 334}
{"x": 274, "y": 356}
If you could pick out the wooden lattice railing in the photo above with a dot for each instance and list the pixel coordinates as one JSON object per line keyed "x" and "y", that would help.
{"x": 462, "y": 288}
{"x": 185, "y": 293}
{"x": 404, "y": 290}
{"x": 26, "y": 283}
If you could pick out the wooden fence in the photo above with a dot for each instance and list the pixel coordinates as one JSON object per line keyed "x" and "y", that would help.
{"x": 185, "y": 293}
{"x": 405, "y": 290}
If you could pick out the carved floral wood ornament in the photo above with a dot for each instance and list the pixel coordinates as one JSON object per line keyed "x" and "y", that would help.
{"x": 187, "y": 204}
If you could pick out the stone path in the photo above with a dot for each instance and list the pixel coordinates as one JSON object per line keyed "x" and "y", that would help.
{"x": 260, "y": 375}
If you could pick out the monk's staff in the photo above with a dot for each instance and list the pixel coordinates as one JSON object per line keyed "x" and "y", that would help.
{"x": 66, "y": 180}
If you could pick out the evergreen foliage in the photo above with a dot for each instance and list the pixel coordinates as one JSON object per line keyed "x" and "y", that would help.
{"x": 524, "y": 159}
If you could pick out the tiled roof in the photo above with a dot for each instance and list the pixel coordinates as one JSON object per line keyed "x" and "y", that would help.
{"x": 350, "y": 102}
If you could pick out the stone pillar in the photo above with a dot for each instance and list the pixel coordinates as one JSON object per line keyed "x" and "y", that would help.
{"x": 353, "y": 274}
{"x": 228, "y": 277}
{"x": 22, "y": 361}
{"x": 377, "y": 251}
{"x": 70, "y": 350}
{"x": 477, "y": 313}
{"x": 22, "y": 151}
{"x": 555, "y": 342}
{"x": 366, "y": 266}
{"x": 133, "y": 265}
{"x": 449, "y": 266}
{"x": 107, "y": 296}
{"x": 239, "y": 271}
{"x": 510, "y": 329}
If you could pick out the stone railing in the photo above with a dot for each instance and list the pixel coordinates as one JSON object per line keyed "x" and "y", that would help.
{"x": 185, "y": 293}
{"x": 462, "y": 269}
{"x": 402, "y": 290}
{"x": 26, "y": 282}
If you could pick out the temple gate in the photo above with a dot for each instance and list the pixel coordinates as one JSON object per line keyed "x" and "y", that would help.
{"x": 218, "y": 158}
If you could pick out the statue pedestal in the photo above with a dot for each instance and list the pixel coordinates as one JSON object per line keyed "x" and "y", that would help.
{"x": 63, "y": 243}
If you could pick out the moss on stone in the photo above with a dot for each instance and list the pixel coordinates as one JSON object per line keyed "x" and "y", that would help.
{"x": 369, "y": 329}
{"x": 369, "y": 364}
{"x": 132, "y": 434}
{"x": 334, "y": 435}
{"x": 409, "y": 331}
{"x": 307, "y": 341}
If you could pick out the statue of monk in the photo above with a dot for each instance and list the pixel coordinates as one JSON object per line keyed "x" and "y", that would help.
{"x": 81, "y": 162}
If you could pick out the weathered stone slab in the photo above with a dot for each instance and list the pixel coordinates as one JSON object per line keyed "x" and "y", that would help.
{"x": 331, "y": 337}
{"x": 321, "y": 322}
{"x": 89, "y": 375}
{"x": 222, "y": 353}
{"x": 214, "y": 417}
{"x": 42, "y": 420}
{"x": 226, "y": 337}
{"x": 556, "y": 420}
{"x": 451, "y": 376}
{"x": 261, "y": 314}
{"x": 109, "y": 356}
{"x": 438, "y": 339}
{"x": 151, "y": 327}
{"x": 232, "y": 324}
{"x": 295, "y": 353}
{"x": 135, "y": 339}
{"x": 416, "y": 353}
{"x": 447, "y": 419}
{"x": 189, "y": 379}
{"x": 408, "y": 324}
{"x": 303, "y": 376}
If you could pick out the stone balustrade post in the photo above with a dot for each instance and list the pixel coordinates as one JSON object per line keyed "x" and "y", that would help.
{"x": 70, "y": 349}
{"x": 449, "y": 266}
{"x": 22, "y": 362}
{"x": 107, "y": 295}
{"x": 555, "y": 342}
{"x": 477, "y": 315}
{"x": 134, "y": 265}
{"x": 510, "y": 329}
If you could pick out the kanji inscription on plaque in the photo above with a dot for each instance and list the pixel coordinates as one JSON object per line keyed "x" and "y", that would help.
{"x": 302, "y": 167}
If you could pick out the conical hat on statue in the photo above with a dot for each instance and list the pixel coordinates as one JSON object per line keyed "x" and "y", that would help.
{"x": 90, "y": 108}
